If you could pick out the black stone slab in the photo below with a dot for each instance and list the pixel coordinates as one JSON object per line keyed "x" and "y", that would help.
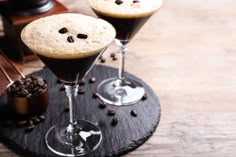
{"x": 127, "y": 135}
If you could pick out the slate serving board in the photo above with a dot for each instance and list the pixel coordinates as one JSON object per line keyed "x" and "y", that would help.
{"x": 130, "y": 132}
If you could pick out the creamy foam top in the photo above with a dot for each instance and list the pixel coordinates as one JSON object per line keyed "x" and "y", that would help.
{"x": 127, "y": 9}
{"x": 42, "y": 35}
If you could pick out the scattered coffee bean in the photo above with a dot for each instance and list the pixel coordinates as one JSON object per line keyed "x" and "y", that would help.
{"x": 133, "y": 113}
{"x": 135, "y": 1}
{"x": 70, "y": 39}
{"x": 30, "y": 128}
{"x": 82, "y": 82}
{"x": 22, "y": 122}
{"x": 144, "y": 96}
{"x": 41, "y": 117}
{"x": 67, "y": 108}
{"x": 114, "y": 58}
{"x": 95, "y": 95}
{"x": 30, "y": 122}
{"x": 82, "y": 36}
{"x": 81, "y": 91}
{"x": 92, "y": 80}
{"x": 113, "y": 54}
{"x": 63, "y": 30}
{"x": 114, "y": 121}
{"x": 111, "y": 112}
{"x": 36, "y": 120}
{"x": 118, "y": 2}
{"x": 102, "y": 105}
{"x": 102, "y": 60}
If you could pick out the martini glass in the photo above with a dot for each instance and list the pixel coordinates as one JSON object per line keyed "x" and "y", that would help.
{"x": 73, "y": 137}
{"x": 127, "y": 16}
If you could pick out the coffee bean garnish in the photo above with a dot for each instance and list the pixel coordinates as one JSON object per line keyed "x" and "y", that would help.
{"x": 82, "y": 36}
{"x": 81, "y": 91}
{"x": 63, "y": 30}
{"x": 102, "y": 105}
{"x": 92, "y": 80}
{"x": 133, "y": 113}
{"x": 118, "y": 2}
{"x": 144, "y": 96}
{"x": 135, "y": 1}
{"x": 67, "y": 108}
{"x": 114, "y": 121}
{"x": 111, "y": 112}
{"x": 70, "y": 39}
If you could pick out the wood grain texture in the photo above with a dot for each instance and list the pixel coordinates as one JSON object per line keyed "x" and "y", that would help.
{"x": 186, "y": 52}
{"x": 128, "y": 134}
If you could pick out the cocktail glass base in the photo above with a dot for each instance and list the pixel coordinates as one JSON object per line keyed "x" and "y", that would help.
{"x": 84, "y": 138}
{"x": 120, "y": 92}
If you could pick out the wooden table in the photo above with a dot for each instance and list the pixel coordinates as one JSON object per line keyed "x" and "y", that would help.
{"x": 186, "y": 52}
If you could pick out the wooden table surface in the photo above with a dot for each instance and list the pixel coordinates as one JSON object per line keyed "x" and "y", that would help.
{"x": 187, "y": 53}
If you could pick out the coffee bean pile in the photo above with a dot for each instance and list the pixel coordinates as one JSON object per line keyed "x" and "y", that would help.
{"x": 26, "y": 87}
{"x": 70, "y": 38}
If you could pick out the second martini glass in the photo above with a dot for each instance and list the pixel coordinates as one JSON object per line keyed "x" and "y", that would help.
{"x": 127, "y": 16}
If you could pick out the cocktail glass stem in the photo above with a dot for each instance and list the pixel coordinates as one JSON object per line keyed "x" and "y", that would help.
{"x": 122, "y": 50}
{"x": 120, "y": 91}
{"x": 71, "y": 92}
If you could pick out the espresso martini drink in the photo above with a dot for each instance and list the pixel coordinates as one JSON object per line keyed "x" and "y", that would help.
{"x": 69, "y": 44}
{"x": 127, "y": 16}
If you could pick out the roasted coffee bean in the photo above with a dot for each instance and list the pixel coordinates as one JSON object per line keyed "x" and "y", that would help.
{"x": 41, "y": 117}
{"x": 114, "y": 58}
{"x": 63, "y": 30}
{"x": 82, "y": 82}
{"x": 114, "y": 121}
{"x": 135, "y": 1}
{"x": 22, "y": 122}
{"x": 29, "y": 128}
{"x": 29, "y": 95}
{"x": 111, "y": 112}
{"x": 81, "y": 91}
{"x": 102, "y": 60}
{"x": 133, "y": 113}
{"x": 67, "y": 108}
{"x": 113, "y": 54}
{"x": 70, "y": 39}
{"x": 82, "y": 36}
{"x": 36, "y": 120}
{"x": 30, "y": 122}
{"x": 118, "y": 2}
{"x": 92, "y": 80}
{"x": 102, "y": 105}
{"x": 144, "y": 96}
